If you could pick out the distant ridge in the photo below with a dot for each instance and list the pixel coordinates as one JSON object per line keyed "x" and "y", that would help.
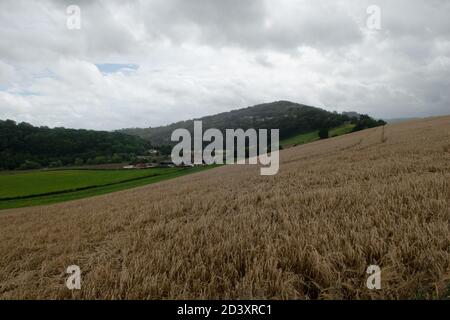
{"x": 291, "y": 118}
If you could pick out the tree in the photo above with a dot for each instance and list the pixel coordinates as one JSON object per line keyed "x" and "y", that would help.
{"x": 100, "y": 160}
{"x": 79, "y": 162}
{"x": 365, "y": 122}
{"x": 323, "y": 133}
{"x": 116, "y": 158}
{"x": 21, "y": 142}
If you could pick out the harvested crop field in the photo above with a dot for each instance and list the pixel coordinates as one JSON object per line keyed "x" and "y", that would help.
{"x": 380, "y": 196}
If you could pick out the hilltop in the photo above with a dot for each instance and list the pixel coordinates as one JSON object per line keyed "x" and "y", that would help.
{"x": 291, "y": 118}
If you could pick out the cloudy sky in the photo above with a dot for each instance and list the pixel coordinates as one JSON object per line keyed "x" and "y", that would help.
{"x": 153, "y": 62}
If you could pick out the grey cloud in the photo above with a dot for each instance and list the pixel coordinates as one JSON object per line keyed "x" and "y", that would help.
{"x": 213, "y": 55}
{"x": 250, "y": 24}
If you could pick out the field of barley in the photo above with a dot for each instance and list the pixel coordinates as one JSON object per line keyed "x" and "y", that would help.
{"x": 380, "y": 196}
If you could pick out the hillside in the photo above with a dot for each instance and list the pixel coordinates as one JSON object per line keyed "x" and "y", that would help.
{"x": 27, "y": 147}
{"x": 24, "y": 146}
{"x": 379, "y": 196}
{"x": 291, "y": 118}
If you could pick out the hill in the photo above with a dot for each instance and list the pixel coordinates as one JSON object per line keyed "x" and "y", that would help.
{"x": 378, "y": 196}
{"x": 291, "y": 118}
{"x": 27, "y": 147}
{"x": 23, "y": 146}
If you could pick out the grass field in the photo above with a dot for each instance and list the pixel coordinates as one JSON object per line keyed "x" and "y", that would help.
{"x": 344, "y": 129}
{"x": 314, "y": 135}
{"x": 375, "y": 197}
{"x": 44, "y": 187}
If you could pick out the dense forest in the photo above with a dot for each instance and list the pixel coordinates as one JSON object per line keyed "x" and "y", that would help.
{"x": 23, "y": 146}
{"x": 291, "y": 118}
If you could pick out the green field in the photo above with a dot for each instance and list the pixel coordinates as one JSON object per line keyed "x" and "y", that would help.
{"x": 300, "y": 139}
{"x": 44, "y": 187}
{"x": 344, "y": 129}
{"x": 314, "y": 135}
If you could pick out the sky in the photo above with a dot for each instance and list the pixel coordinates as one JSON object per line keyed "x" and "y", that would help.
{"x": 116, "y": 64}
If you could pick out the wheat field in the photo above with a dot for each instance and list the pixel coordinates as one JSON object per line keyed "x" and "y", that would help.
{"x": 380, "y": 196}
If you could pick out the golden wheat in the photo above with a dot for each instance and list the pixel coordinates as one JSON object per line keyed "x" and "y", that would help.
{"x": 380, "y": 196}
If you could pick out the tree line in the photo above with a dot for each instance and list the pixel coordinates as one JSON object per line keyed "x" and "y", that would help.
{"x": 24, "y": 146}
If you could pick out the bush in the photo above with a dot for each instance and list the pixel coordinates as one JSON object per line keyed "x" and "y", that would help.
{"x": 323, "y": 133}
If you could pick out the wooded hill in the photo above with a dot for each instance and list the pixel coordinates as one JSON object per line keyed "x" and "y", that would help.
{"x": 291, "y": 118}
{"x": 23, "y": 146}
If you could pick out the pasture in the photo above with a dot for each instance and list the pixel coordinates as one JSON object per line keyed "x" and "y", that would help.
{"x": 19, "y": 189}
{"x": 314, "y": 136}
